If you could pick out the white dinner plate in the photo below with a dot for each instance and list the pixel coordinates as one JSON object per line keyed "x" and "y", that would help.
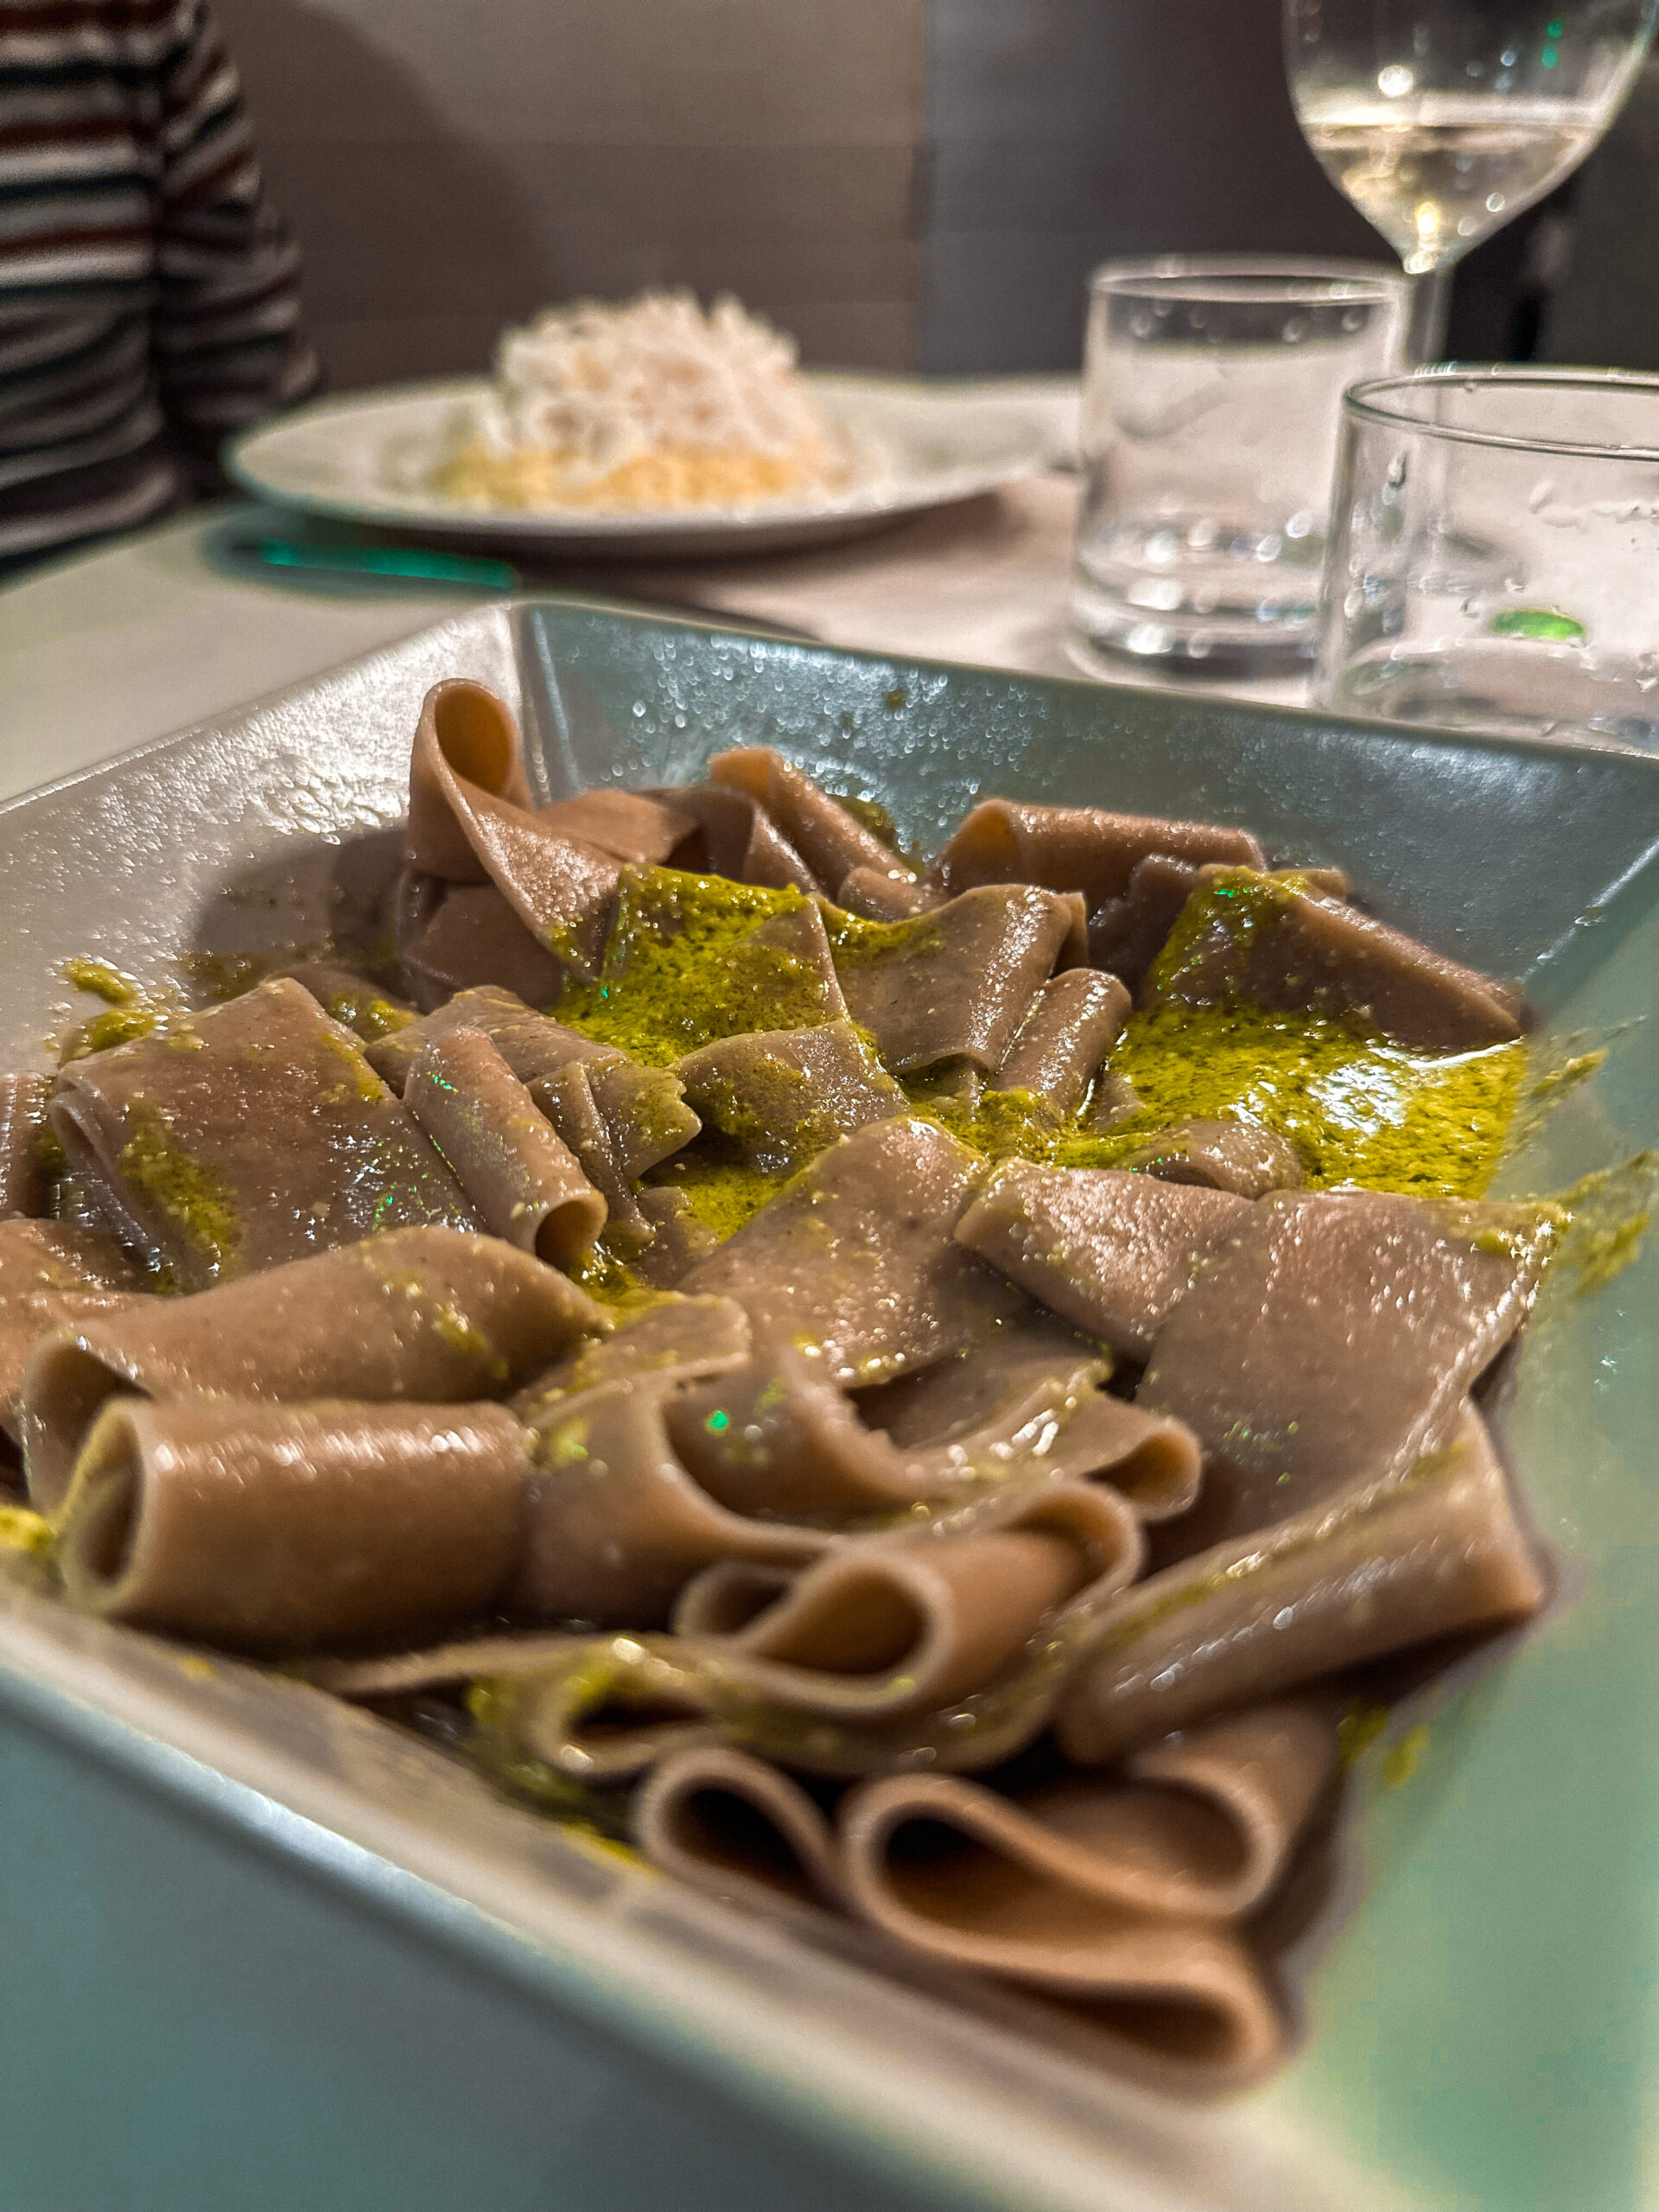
{"x": 915, "y": 445}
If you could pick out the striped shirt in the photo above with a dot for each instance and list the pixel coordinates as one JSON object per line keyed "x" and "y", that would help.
{"x": 149, "y": 295}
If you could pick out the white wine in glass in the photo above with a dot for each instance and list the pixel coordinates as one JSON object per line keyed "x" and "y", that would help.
{"x": 1442, "y": 119}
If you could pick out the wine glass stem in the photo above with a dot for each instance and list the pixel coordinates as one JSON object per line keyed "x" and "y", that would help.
{"x": 1431, "y": 308}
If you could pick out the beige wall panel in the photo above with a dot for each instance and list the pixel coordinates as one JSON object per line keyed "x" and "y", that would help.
{"x": 388, "y": 349}
{"x": 538, "y": 223}
{"x": 753, "y": 73}
{"x": 450, "y": 165}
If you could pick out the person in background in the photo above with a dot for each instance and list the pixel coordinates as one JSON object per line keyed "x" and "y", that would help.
{"x": 149, "y": 293}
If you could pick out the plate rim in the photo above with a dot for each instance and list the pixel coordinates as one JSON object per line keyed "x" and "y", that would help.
{"x": 580, "y": 526}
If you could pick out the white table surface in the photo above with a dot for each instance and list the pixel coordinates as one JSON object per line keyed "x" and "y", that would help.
{"x": 103, "y": 651}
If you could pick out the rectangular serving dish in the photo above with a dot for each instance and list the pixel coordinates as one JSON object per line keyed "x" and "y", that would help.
{"x": 316, "y": 1962}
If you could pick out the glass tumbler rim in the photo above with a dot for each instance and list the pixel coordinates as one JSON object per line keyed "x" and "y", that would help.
{"x": 1296, "y": 278}
{"x": 1367, "y": 401}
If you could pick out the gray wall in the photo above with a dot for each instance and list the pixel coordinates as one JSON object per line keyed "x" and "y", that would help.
{"x": 1063, "y": 130}
{"x": 900, "y": 182}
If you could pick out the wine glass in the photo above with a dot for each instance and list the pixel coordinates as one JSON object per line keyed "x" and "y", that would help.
{"x": 1442, "y": 119}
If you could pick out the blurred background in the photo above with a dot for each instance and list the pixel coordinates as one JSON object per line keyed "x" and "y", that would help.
{"x": 901, "y": 183}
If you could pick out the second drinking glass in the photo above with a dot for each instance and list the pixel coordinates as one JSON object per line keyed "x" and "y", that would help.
{"x": 1212, "y": 394}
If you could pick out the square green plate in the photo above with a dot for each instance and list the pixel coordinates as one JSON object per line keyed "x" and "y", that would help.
{"x": 1482, "y": 2013}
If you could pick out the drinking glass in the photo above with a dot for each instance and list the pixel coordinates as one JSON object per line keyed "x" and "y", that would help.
{"x": 1211, "y": 404}
{"x": 1442, "y": 119}
{"x": 1557, "y": 471}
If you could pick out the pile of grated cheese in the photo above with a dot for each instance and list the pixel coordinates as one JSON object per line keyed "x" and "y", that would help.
{"x": 654, "y": 404}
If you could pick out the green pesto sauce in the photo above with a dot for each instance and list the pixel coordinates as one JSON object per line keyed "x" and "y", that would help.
{"x": 131, "y": 1011}
{"x": 23, "y": 1531}
{"x": 1609, "y": 1213}
{"x": 1003, "y": 1125}
{"x": 682, "y": 966}
{"x": 1557, "y": 1067}
{"x": 190, "y": 1195}
{"x": 603, "y": 1813}
{"x": 102, "y": 981}
{"x": 1358, "y": 1107}
{"x": 608, "y": 1280}
{"x": 226, "y": 975}
{"x": 788, "y": 1089}
{"x": 360, "y": 1076}
{"x": 461, "y": 1334}
{"x": 859, "y": 943}
{"x": 1237, "y": 904}
{"x": 721, "y": 1193}
{"x": 367, "y": 1013}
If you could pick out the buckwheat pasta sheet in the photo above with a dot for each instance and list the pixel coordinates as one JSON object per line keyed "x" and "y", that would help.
{"x": 904, "y": 1390}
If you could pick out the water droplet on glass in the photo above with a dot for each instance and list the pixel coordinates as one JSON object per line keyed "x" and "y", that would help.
{"x": 1395, "y": 82}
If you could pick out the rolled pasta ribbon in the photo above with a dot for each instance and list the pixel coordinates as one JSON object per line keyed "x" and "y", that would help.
{"x": 247, "y": 1136}
{"x": 633, "y": 825}
{"x": 568, "y": 1102}
{"x": 434, "y": 1314}
{"x": 828, "y": 836}
{"x": 616, "y": 1525}
{"x": 675, "y": 1339}
{"x": 469, "y": 820}
{"x": 783, "y": 1094}
{"x": 52, "y": 1273}
{"x": 886, "y": 894}
{"x": 775, "y": 1434}
{"x": 735, "y": 1826}
{"x": 856, "y": 1253}
{"x": 464, "y": 732}
{"x": 274, "y": 1528}
{"x": 1244, "y": 1157}
{"x": 903, "y": 1624}
{"x": 955, "y": 982}
{"x": 526, "y": 1184}
{"x": 1278, "y": 942}
{"x": 1377, "y": 1569}
{"x": 735, "y": 836}
{"x": 1114, "y": 1252}
{"x": 1177, "y": 1995}
{"x": 1261, "y": 1356}
{"x": 606, "y": 1709}
{"x": 612, "y": 1706}
{"x": 1201, "y": 1827}
{"x": 643, "y": 1108}
{"x": 24, "y": 1189}
{"x": 471, "y": 938}
{"x": 1073, "y": 1022}
{"x": 1077, "y": 848}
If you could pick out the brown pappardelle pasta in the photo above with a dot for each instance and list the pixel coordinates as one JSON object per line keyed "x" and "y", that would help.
{"x": 905, "y": 1390}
